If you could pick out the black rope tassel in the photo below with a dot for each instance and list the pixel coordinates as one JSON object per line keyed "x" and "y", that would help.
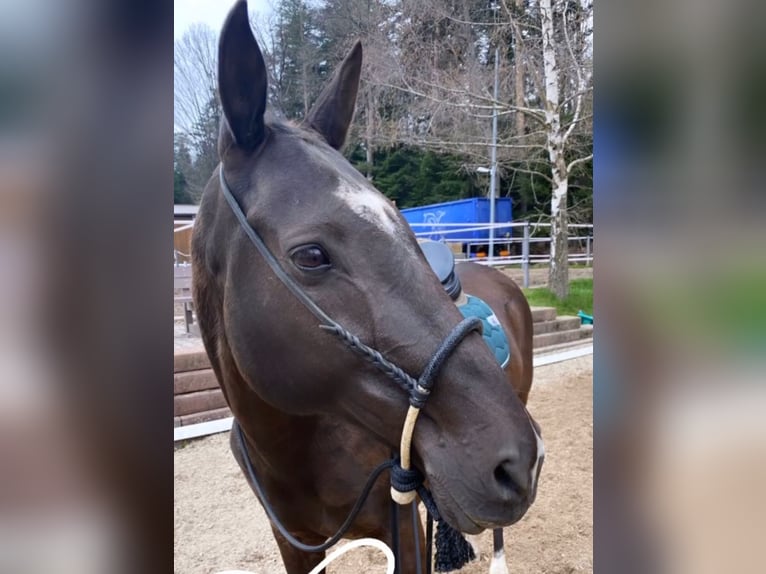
{"x": 452, "y": 549}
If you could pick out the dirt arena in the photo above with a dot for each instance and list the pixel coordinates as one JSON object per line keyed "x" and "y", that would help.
{"x": 219, "y": 524}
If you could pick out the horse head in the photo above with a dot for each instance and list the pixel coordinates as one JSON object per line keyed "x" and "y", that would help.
{"x": 350, "y": 250}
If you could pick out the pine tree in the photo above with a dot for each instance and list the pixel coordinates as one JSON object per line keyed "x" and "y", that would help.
{"x": 182, "y": 165}
{"x": 205, "y": 143}
{"x": 298, "y": 65}
{"x": 180, "y": 188}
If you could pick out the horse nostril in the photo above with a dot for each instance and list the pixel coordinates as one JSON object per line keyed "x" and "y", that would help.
{"x": 502, "y": 476}
{"x": 511, "y": 478}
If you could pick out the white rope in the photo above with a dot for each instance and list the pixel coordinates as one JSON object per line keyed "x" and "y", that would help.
{"x": 340, "y": 551}
{"x": 374, "y": 542}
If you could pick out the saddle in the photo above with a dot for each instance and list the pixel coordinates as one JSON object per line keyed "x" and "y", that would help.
{"x": 442, "y": 262}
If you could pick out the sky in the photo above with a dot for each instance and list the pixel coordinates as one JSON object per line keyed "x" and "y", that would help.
{"x": 210, "y": 12}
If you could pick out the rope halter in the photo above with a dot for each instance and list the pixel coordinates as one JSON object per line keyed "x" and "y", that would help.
{"x": 405, "y": 480}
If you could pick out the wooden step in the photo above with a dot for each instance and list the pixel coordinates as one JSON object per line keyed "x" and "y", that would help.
{"x": 563, "y": 323}
{"x": 191, "y": 403}
{"x": 190, "y": 361}
{"x": 192, "y": 381}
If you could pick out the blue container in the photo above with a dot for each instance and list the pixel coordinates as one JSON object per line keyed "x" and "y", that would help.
{"x": 469, "y": 211}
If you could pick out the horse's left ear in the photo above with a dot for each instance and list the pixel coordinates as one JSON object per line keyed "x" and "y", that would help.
{"x": 242, "y": 82}
{"x": 334, "y": 109}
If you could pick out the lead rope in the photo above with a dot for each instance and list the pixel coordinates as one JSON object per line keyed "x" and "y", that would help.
{"x": 338, "y": 552}
{"x": 237, "y": 430}
{"x": 374, "y": 542}
{"x": 391, "y": 556}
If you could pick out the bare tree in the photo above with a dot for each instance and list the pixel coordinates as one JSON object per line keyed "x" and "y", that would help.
{"x": 558, "y": 133}
{"x": 445, "y": 62}
{"x": 194, "y": 75}
{"x": 345, "y": 21}
{"x": 427, "y": 82}
{"x": 197, "y": 110}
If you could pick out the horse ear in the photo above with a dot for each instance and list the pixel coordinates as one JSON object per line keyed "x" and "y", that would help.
{"x": 241, "y": 79}
{"x": 334, "y": 109}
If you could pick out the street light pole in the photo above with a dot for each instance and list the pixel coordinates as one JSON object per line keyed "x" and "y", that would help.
{"x": 493, "y": 166}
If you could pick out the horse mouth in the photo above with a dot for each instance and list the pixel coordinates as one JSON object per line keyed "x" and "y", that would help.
{"x": 485, "y": 525}
{"x": 454, "y": 513}
{"x": 460, "y": 520}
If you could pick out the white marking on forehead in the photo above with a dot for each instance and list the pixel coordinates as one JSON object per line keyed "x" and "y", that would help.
{"x": 370, "y": 205}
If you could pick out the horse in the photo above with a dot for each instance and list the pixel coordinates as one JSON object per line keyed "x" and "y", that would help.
{"x": 289, "y": 238}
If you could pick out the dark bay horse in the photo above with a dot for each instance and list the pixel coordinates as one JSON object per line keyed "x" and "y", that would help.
{"x": 315, "y": 416}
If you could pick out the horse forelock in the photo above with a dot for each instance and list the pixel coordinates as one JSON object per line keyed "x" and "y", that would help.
{"x": 344, "y": 187}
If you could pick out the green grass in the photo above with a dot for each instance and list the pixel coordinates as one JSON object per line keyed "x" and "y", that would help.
{"x": 580, "y": 297}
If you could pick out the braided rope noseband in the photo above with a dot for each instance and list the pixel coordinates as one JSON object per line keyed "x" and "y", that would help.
{"x": 405, "y": 480}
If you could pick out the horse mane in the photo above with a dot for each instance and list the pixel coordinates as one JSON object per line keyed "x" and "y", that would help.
{"x": 288, "y": 127}
{"x": 208, "y": 299}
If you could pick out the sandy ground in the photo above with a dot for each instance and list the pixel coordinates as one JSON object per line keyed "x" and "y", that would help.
{"x": 219, "y": 524}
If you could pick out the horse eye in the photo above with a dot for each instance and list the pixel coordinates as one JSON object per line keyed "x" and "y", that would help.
{"x": 310, "y": 258}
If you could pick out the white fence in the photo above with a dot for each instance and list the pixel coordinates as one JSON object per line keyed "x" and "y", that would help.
{"x": 580, "y": 242}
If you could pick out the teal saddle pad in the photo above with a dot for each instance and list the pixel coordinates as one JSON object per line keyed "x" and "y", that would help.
{"x": 494, "y": 335}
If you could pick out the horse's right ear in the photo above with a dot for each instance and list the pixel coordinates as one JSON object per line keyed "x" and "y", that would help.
{"x": 241, "y": 79}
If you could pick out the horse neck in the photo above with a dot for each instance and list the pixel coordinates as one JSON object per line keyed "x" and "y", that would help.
{"x": 273, "y": 437}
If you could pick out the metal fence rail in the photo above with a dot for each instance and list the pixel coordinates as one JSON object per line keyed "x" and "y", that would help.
{"x": 580, "y": 234}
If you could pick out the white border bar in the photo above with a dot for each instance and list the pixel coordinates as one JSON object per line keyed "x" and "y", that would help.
{"x": 550, "y": 358}
{"x": 202, "y": 429}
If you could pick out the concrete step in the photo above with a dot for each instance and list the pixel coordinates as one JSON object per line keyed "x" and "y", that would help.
{"x": 563, "y": 323}
{"x": 540, "y": 314}
{"x": 558, "y": 337}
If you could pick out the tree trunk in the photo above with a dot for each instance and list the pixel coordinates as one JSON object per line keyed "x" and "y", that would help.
{"x": 558, "y": 276}
{"x": 304, "y": 81}
{"x": 369, "y": 132}
{"x": 518, "y": 69}
{"x": 304, "y": 56}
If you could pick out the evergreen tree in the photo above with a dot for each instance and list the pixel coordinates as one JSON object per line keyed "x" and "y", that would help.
{"x": 416, "y": 134}
{"x": 182, "y": 165}
{"x": 414, "y": 177}
{"x": 205, "y": 142}
{"x": 180, "y": 188}
{"x": 298, "y": 65}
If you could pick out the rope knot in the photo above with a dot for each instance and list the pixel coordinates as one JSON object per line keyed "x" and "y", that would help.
{"x": 404, "y": 482}
{"x": 419, "y": 395}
